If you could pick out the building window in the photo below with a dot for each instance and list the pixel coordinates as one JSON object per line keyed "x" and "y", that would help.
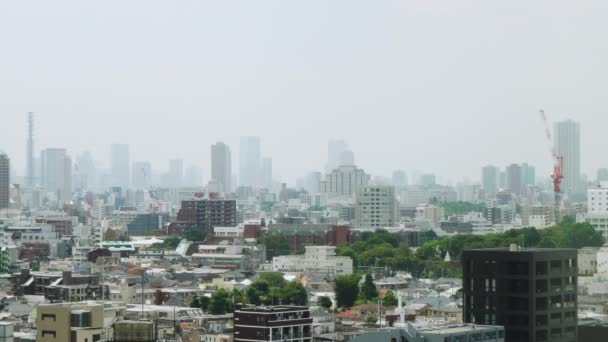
{"x": 49, "y": 316}
{"x": 49, "y": 332}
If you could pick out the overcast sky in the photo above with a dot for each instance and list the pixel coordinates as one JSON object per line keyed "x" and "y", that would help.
{"x": 437, "y": 86}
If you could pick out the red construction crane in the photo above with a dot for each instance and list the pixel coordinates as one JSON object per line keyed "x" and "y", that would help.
{"x": 558, "y": 166}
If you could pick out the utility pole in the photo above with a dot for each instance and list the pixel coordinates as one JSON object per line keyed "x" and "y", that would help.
{"x": 143, "y": 273}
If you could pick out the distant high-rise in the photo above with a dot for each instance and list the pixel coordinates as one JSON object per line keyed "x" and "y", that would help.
{"x": 502, "y": 179}
{"x": 5, "y": 182}
{"x": 514, "y": 179}
{"x": 56, "y": 174}
{"x": 140, "y": 178}
{"x": 347, "y": 158}
{"x": 568, "y": 145}
{"x": 528, "y": 173}
{"x": 311, "y": 182}
{"x": 30, "y": 178}
{"x": 266, "y": 172}
{"x": 221, "y": 166}
{"x": 427, "y": 179}
{"x": 345, "y": 181}
{"x": 87, "y": 173}
{"x": 176, "y": 173}
{"x": 120, "y": 161}
{"x": 602, "y": 175}
{"x": 335, "y": 150}
{"x": 399, "y": 179}
{"x": 376, "y": 207}
{"x": 489, "y": 179}
{"x": 249, "y": 161}
{"x": 193, "y": 176}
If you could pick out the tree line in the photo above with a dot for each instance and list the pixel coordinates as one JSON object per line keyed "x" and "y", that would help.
{"x": 269, "y": 289}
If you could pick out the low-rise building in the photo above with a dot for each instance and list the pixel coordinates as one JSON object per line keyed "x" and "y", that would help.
{"x": 65, "y": 286}
{"x": 587, "y": 260}
{"x": 435, "y": 333}
{"x": 320, "y": 260}
{"x": 272, "y": 323}
{"x": 75, "y": 322}
{"x": 243, "y": 257}
{"x": 134, "y": 331}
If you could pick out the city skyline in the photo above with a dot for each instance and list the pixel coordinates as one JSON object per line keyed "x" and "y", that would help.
{"x": 206, "y": 169}
{"x": 395, "y": 83}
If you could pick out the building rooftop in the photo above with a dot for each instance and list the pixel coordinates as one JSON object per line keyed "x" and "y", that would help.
{"x": 275, "y": 308}
{"x": 522, "y": 250}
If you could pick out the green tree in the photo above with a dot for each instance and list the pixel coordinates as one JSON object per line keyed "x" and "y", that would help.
{"x": 460, "y": 208}
{"x": 204, "y": 303}
{"x": 346, "y": 288}
{"x": 530, "y": 236}
{"x": 253, "y": 296}
{"x": 275, "y": 279}
{"x": 220, "y": 302}
{"x": 275, "y": 245}
{"x": 368, "y": 289}
{"x": 168, "y": 243}
{"x": 238, "y": 297}
{"x": 389, "y": 299}
{"x": 196, "y": 234}
{"x": 348, "y": 251}
{"x": 293, "y": 293}
{"x": 262, "y": 286}
{"x": 324, "y": 302}
{"x": 195, "y": 302}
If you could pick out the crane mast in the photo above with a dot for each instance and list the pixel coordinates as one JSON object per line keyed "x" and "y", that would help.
{"x": 558, "y": 166}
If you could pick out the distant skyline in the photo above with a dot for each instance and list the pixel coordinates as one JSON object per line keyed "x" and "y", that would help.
{"x": 443, "y": 87}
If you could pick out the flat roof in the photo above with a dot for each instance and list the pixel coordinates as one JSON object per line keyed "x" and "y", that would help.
{"x": 523, "y": 250}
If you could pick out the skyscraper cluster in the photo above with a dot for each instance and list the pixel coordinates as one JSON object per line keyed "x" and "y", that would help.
{"x": 516, "y": 178}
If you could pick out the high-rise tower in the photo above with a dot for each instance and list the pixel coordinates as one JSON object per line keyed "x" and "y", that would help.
{"x": 221, "y": 166}
{"x": 249, "y": 161}
{"x": 56, "y": 174}
{"x": 120, "y": 163}
{"x": 568, "y": 146}
{"x": 30, "y": 176}
{"x": 4, "y": 180}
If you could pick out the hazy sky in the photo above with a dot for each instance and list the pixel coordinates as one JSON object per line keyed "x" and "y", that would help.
{"x": 438, "y": 86}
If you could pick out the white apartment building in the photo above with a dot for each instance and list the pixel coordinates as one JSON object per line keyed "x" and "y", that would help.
{"x": 376, "y": 207}
{"x": 228, "y": 232}
{"x": 539, "y": 216}
{"x": 597, "y": 208}
{"x": 587, "y": 260}
{"x": 345, "y": 181}
{"x": 316, "y": 260}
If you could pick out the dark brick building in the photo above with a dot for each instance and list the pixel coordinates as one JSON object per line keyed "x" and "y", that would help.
{"x": 208, "y": 213}
{"x": 272, "y": 323}
{"x": 203, "y": 214}
{"x": 301, "y": 235}
{"x": 532, "y": 292}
